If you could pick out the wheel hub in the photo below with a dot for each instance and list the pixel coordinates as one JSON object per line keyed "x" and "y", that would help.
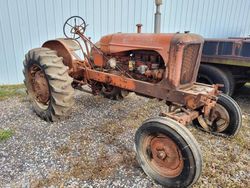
{"x": 166, "y": 157}
{"x": 40, "y": 85}
{"x": 161, "y": 154}
{"x": 218, "y": 119}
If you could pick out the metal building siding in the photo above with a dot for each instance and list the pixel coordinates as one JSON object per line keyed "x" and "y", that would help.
{"x": 26, "y": 24}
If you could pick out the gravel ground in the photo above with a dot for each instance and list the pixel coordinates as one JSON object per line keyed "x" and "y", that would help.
{"x": 94, "y": 146}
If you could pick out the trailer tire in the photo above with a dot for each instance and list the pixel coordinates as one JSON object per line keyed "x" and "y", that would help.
{"x": 210, "y": 74}
{"x": 180, "y": 164}
{"x": 48, "y": 84}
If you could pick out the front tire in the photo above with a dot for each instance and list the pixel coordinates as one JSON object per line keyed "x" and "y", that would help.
{"x": 168, "y": 153}
{"x": 48, "y": 84}
{"x": 227, "y": 118}
{"x": 234, "y": 112}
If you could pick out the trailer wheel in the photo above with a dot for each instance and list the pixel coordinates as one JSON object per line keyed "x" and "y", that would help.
{"x": 226, "y": 117}
{"x": 168, "y": 152}
{"x": 114, "y": 93}
{"x": 48, "y": 84}
{"x": 210, "y": 74}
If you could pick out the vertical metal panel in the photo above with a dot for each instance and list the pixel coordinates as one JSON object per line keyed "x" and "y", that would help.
{"x": 4, "y": 71}
{"x": 26, "y": 24}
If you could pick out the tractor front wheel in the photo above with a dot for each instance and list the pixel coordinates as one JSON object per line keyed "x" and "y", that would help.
{"x": 225, "y": 118}
{"x": 168, "y": 153}
{"x": 48, "y": 84}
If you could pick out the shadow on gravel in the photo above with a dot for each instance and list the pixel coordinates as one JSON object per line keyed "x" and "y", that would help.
{"x": 243, "y": 92}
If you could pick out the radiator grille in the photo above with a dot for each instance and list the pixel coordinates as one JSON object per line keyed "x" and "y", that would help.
{"x": 190, "y": 56}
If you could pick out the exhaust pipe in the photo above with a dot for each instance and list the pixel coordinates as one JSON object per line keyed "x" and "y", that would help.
{"x": 138, "y": 28}
{"x": 157, "y": 26}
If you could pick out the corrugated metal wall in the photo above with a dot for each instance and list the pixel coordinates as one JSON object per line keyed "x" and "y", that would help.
{"x": 25, "y": 24}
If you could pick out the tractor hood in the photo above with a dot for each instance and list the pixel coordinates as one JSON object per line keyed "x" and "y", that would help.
{"x": 161, "y": 43}
{"x": 180, "y": 52}
{"x": 120, "y": 42}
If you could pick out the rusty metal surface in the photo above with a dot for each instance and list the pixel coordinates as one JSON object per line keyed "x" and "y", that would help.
{"x": 62, "y": 49}
{"x": 40, "y": 88}
{"x": 176, "y": 54}
{"x": 217, "y": 120}
{"x": 165, "y": 156}
{"x": 162, "y": 66}
{"x": 160, "y": 43}
{"x": 121, "y": 42}
{"x": 139, "y": 26}
{"x": 182, "y": 115}
{"x": 66, "y": 48}
{"x": 189, "y": 61}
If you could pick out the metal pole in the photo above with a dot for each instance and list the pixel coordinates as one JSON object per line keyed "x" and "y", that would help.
{"x": 157, "y": 26}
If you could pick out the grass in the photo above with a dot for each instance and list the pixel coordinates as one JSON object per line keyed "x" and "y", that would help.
{"x": 5, "y": 134}
{"x": 7, "y": 91}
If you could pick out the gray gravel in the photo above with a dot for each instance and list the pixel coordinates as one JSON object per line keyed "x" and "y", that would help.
{"x": 91, "y": 148}
{"x": 34, "y": 152}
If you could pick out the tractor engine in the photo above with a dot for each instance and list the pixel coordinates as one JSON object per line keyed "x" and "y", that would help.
{"x": 150, "y": 57}
{"x": 141, "y": 65}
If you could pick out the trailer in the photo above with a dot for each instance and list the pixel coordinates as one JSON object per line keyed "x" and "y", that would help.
{"x": 227, "y": 62}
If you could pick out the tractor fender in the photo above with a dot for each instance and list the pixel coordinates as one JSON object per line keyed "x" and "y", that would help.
{"x": 65, "y": 48}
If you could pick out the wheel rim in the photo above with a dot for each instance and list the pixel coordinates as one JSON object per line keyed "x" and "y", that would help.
{"x": 163, "y": 155}
{"x": 39, "y": 85}
{"x": 218, "y": 121}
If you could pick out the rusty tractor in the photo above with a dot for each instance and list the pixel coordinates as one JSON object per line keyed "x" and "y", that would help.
{"x": 162, "y": 66}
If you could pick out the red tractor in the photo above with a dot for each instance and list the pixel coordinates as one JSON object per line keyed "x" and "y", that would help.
{"x": 162, "y": 66}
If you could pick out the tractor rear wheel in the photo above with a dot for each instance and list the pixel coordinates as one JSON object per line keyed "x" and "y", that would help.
{"x": 168, "y": 152}
{"x": 48, "y": 84}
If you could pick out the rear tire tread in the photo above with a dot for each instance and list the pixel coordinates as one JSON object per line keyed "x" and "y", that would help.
{"x": 61, "y": 91}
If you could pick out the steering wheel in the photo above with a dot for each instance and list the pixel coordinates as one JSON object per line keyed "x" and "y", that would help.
{"x": 72, "y": 25}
